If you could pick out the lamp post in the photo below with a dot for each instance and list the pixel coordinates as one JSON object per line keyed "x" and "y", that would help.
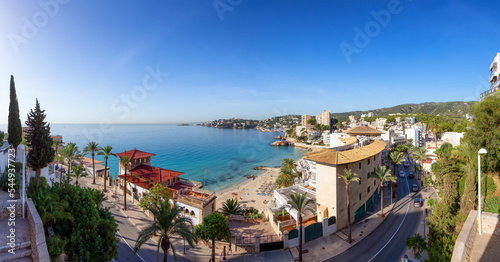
{"x": 481, "y": 151}
{"x": 20, "y": 148}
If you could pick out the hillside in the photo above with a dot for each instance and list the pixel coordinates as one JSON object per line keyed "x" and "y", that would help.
{"x": 456, "y": 109}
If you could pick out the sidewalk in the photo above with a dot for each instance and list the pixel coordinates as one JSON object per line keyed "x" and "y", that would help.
{"x": 327, "y": 247}
{"x": 317, "y": 250}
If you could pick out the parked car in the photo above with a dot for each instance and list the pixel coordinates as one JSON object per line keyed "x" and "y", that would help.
{"x": 418, "y": 202}
{"x": 411, "y": 175}
{"x": 406, "y": 164}
{"x": 401, "y": 174}
{"x": 414, "y": 188}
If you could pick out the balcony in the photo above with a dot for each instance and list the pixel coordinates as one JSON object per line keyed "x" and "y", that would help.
{"x": 493, "y": 89}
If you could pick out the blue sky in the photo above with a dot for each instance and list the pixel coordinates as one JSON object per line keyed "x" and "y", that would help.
{"x": 187, "y": 61}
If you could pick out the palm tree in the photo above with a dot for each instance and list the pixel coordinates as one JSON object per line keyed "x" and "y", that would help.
{"x": 231, "y": 207}
{"x": 106, "y": 152}
{"x": 383, "y": 175}
{"x": 420, "y": 153}
{"x": 125, "y": 161}
{"x": 348, "y": 178}
{"x": 78, "y": 172}
{"x": 71, "y": 153}
{"x": 167, "y": 223}
{"x": 56, "y": 143}
{"x": 433, "y": 125}
{"x": 92, "y": 148}
{"x": 50, "y": 207}
{"x": 300, "y": 202}
{"x": 395, "y": 158}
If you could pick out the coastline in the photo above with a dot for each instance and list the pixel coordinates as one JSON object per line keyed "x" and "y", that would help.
{"x": 246, "y": 191}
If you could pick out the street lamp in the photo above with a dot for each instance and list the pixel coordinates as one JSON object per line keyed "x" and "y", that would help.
{"x": 481, "y": 151}
{"x": 20, "y": 148}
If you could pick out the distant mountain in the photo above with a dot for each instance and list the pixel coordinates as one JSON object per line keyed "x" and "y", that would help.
{"x": 456, "y": 109}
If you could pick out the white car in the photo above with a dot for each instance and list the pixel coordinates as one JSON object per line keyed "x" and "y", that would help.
{"x": 401, "y": 174}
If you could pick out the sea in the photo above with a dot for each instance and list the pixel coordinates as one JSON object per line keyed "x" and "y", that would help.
{"x": 220, "y": 158}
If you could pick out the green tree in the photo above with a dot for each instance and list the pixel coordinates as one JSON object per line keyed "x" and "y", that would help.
{"x": 301, "y": 202}
{"x": 155, "y": 195}
{"x": 214, "y": 226}
{"x": 311, "y": 121}
{"x": 417, "y": 245}
{"x": 434, "y": 126}
{"x": 78, "y": 172}
{"x": 395, "y": 158}
{"x": 92, "y": 233}
{"x": 69, "y": 154}
{"x": 2, "y": 137}
{"x": 284, "y": 180}
{"x": 92, "y": 148}
{"x": 167, "y": 223}
{"x": 125, "y": 162}
{"x": 106, "y": 152}
{"x": 444, "y": 151}
{"x": 383, "y": 175}
{"x": 231, "y": 207}
{"x": 339, "y": 125}
{"x": 50, "y": 208}
{"x": 348, "y": 178}
{"x": 420, "y": 154}
{"x": 39, "y": 140}
{"x": 14, "y": 128}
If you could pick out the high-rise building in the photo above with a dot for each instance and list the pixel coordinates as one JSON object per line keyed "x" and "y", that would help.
{"x": 324, "y": 118}
{"x": 304, "y": 119}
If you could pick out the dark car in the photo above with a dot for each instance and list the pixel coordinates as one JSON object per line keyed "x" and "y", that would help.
{"x": 414, "y": 188}
{"x": 411, "y": 175}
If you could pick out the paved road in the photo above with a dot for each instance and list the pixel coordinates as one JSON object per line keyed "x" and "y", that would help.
{"x": 387, "y": 242}
{"x": 128, "y": 233}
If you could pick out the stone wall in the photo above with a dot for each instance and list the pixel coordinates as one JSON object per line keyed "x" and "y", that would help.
{"x": 465, "y": 241}
{"x": 39, "y": 250}
{"x": 5, "y": 208}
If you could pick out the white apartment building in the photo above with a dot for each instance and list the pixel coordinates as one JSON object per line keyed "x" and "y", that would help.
{"x": 453, "y": 138}
{"x": 416, "y": 133}
{"x": 494, "y": 77}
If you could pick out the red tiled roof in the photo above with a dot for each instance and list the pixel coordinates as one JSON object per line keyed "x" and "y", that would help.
{"x": 136, "y": 181}
{"x": 135, "y": 154}
{"x": 153, "y": 173}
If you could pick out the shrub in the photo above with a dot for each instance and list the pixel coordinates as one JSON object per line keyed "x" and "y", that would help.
{"x": 55, "y": 245}
{"x": 6, "y": 181}
{"x": 42, "y": 185}
{"x": 492, "y": 204}
{"x": 487, "y": 186}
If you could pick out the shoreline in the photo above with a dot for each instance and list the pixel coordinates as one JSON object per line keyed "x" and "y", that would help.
{"x": 246, "y": 191}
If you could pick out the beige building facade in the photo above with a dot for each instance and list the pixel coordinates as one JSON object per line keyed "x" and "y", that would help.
{"x": 330, "y": 187}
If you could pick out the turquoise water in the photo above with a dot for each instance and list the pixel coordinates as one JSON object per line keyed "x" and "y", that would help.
{"x": 227, "y": 154}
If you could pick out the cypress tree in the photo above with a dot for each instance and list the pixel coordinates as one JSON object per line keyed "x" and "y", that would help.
{"x": 14, "y": 128}
{"x": 38, "y": 139}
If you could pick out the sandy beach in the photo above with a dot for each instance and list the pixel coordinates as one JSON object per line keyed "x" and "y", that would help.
{"x": 246, "y": 192}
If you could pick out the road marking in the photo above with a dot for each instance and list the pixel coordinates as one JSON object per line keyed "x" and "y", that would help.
{"x": 130, "y": 246}
{"x": 397, "y": 230}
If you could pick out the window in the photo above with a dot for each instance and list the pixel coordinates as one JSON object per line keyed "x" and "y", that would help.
{"x": 359, "y": 165}
{"x": 192, "y": 213}
{"x": 368, "y": 161}
{"x": 374, "y": 157}
{"x": 359, "y": 196}
{"x": 368, "y": 189}
{"x": 374, "y": 183}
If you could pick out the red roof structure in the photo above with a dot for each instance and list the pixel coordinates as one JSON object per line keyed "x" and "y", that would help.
{"x": 154, "y": 173}
{"x": 136, "y": 181}
{"x": 135, "y": 154}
